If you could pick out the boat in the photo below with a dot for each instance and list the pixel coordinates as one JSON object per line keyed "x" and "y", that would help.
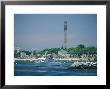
{"x": 41, "y": 58}
{"x": 47, "y": 62}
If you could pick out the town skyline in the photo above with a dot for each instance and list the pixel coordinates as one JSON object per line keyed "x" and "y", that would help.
{"x": 40, "y": 31}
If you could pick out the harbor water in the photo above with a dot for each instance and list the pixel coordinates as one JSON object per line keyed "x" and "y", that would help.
{"x": 59, "y": 68}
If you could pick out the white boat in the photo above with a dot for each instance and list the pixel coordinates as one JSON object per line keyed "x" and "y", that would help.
{"x": 41, "y": 58}
{"x": 52, "y": 62}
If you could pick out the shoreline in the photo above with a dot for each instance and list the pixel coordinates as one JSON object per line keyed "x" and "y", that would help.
{"x": 63, "y": 59}
{"x": 54, "y": 58}
{"x": 18, "y": 59}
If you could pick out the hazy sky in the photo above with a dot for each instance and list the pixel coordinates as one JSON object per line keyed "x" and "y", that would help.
{"x": 38, "y": 31}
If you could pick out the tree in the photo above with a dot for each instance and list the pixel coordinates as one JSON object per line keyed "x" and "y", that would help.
{"x": 80, "y": 46}
{"x": 91, "y": 50}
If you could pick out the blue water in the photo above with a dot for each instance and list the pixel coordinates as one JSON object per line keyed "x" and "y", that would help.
{"x": 59, "y": 68}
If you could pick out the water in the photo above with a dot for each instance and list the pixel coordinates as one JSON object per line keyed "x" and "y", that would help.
{"x": 58, "y": 68}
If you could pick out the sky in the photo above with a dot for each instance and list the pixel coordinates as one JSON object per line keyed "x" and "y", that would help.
{"x": 40, "y": 31}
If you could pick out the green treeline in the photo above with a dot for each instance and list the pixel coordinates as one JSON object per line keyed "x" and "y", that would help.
{"x": 79, "y": 50}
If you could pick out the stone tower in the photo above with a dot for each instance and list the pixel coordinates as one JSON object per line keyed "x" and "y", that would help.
{"x": 65, "y": 34}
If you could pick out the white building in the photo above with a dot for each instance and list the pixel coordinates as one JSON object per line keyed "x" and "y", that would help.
{"x": 63, "y": 53}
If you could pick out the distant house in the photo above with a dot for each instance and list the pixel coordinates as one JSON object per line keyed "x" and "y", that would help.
{"x": 62, "y": 53}
{"x": 22, "y": 55}
{"x": 54, "y": 55}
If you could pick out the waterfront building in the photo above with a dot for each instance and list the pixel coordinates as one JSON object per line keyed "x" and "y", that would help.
{"x": 22, "y": 55}
{"x": 62, "y": 53}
